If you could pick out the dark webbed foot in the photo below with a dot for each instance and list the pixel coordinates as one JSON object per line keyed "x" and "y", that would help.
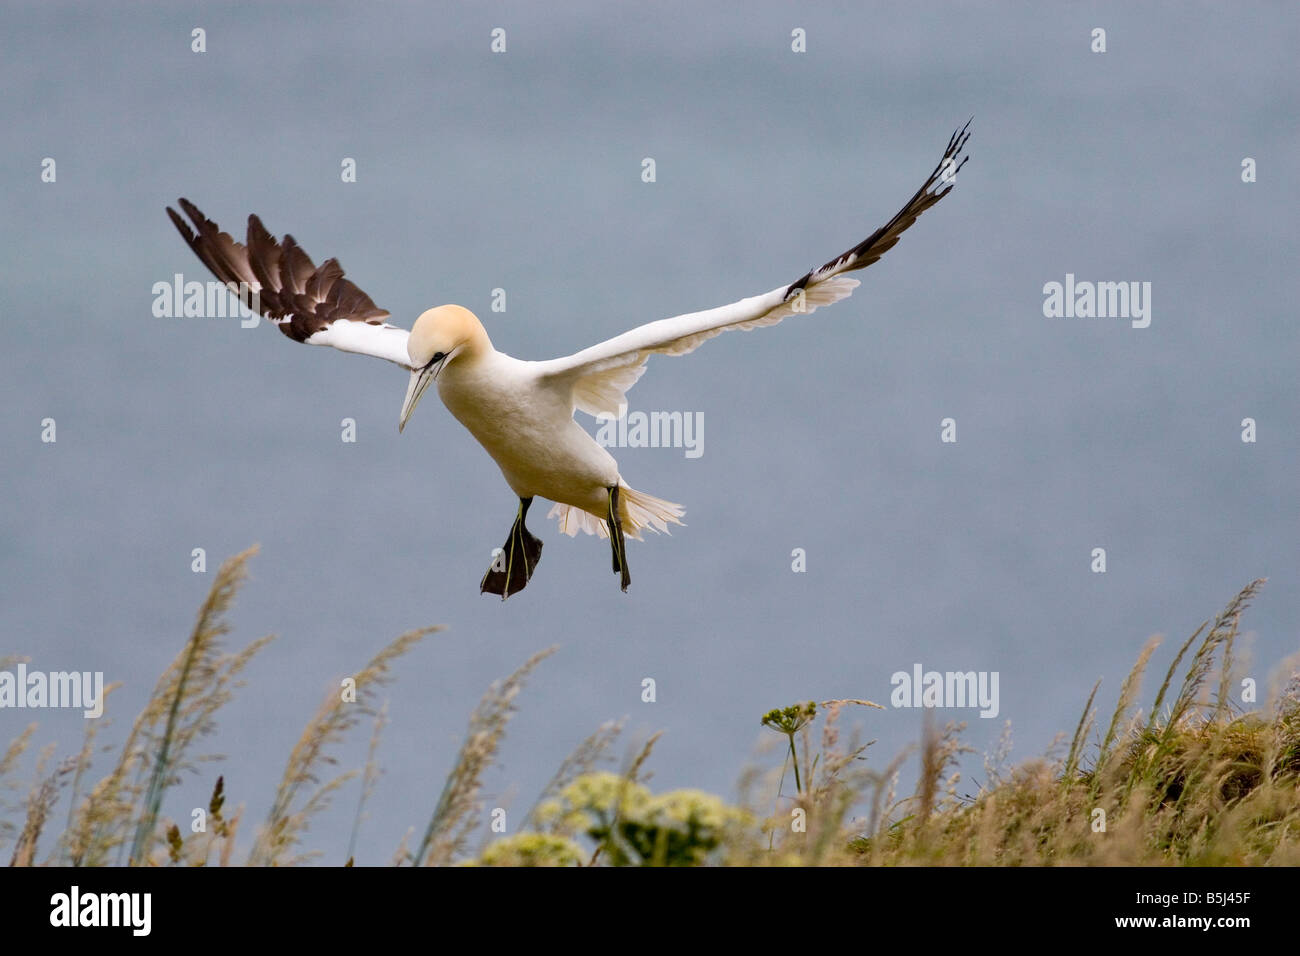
{"x": 514, "y": 564}
{"x": 616, "y": 539}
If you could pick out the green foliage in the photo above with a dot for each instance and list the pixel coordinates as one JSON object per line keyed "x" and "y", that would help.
{"x": 630, "y": 826}
{"x": 532, "y": 849}
{"x": 792, "y": 719}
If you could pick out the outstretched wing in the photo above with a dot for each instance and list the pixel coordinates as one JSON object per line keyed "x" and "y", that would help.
{"x": 309, "y": 303}
{"x": 599, "y": 377}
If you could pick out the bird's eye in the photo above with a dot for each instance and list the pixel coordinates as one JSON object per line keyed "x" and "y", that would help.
{"x": 437, "y": 357}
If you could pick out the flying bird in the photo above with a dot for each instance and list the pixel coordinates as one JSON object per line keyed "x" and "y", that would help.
{"x": 522, "y": 413}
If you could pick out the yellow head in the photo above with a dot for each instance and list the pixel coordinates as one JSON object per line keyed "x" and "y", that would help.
{"x": 439, "y": 337}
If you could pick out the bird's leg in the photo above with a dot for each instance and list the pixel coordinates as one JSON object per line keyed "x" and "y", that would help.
{"x": 514, "y": 565}
{"x": 616, "y": 539}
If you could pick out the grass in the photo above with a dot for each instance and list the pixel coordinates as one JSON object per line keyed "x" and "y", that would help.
{"x": 1195, "y": 781}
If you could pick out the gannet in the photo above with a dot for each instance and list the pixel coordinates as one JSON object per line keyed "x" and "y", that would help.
{"x": 522, "y": 412}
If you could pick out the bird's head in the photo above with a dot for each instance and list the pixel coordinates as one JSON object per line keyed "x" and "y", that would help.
{"x": 439, "y": 337}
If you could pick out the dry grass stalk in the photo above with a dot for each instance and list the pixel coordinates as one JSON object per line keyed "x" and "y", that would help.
{"x": 452, "y": 819}
{"x": 301, "y": 793}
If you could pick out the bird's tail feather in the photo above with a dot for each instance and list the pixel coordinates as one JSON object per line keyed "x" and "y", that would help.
{"x": 638, "y": 510}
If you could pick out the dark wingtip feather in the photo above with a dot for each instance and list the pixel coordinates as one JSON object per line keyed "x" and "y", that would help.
{"x": 181, "y": 225}
{"x": 191, "y": 210}
{"x": 300, "y": 298}
{"x": 936, "y": 186}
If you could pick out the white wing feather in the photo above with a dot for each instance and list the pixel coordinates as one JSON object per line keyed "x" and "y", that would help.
{"x": 600, "y": 376}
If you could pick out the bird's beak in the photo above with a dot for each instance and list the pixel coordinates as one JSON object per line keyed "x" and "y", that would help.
{"x": 420, "y": 379}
